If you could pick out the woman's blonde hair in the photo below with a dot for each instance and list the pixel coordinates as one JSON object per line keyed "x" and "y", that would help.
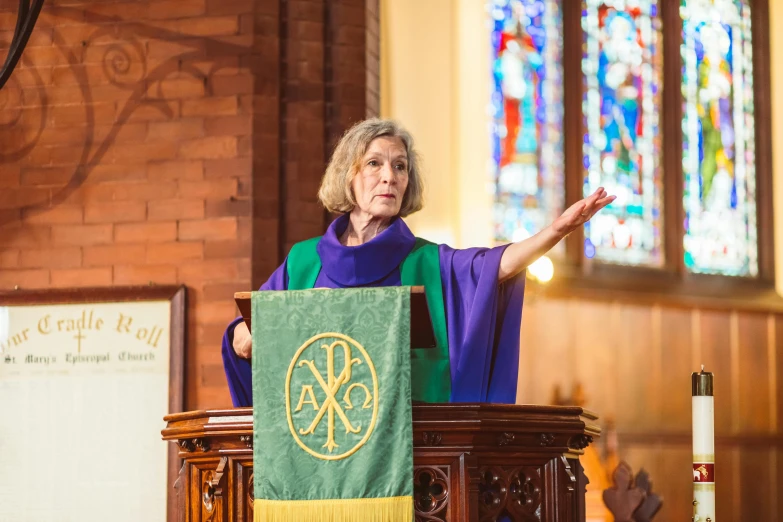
{"x": 336, "y": 193}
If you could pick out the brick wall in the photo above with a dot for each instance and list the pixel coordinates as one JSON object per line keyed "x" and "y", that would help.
{"x": 171, "y": 142}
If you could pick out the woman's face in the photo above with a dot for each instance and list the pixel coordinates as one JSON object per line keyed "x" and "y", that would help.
{"x": 380, "y": 183}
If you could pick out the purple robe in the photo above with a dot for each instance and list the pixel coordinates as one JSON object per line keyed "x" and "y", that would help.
{"x": 483, "y": 318}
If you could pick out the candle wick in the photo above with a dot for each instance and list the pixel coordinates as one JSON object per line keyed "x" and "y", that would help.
{"x": 702, "y": 368}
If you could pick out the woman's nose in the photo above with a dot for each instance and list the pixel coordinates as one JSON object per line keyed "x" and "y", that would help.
{"x": 387, "y": 174}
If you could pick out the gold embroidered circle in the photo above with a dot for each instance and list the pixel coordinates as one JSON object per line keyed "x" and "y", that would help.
{"x": 328, "y": 411}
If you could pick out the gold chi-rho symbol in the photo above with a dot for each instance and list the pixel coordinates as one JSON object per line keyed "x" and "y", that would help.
{"x": 346, "y": 399}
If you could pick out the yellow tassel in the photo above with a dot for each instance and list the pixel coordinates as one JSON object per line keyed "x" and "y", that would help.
{"x": 391, "y": 509}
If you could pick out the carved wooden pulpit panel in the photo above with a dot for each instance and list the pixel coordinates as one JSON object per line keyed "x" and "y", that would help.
{"x": 472, "y": 462}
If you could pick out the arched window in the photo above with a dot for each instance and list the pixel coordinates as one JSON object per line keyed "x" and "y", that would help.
{"x": 664, "y": 103}
{"x": 719, "y": 138}
{"x": 527, "y": 109}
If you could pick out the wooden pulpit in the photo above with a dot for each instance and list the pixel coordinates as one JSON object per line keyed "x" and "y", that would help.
{"x": 471, "y": 462}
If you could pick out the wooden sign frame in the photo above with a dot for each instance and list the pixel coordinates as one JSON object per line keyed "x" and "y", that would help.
{"x": 177, "y": 297}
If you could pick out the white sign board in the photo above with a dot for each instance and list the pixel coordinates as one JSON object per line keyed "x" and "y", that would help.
{"x": 83, "y": 392}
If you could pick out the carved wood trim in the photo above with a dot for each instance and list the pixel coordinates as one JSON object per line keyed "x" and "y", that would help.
{"x": 470, "y": 478}
{"x": 516, "y": 491}
{"x": 580, "y": 442}
{"x": 250, "y": 496}
{"x": 580, "y": 488}
{"x": 431, "y": 492}
{"x": 474, "y": 421}
{"x": 240, "y": 486}
{"x": 493, "y": 492}
{"x": 568, "y": 481}
{"x": 505, "y": 438}
{"x": 212, "y": 491}
{"x": 180, "y": 488}
{"x": 432, "y": 438}
{"x": 191, "y": 445}
{"x": 201, "y": 444}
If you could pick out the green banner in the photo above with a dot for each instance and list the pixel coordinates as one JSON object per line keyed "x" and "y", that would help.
{"x": 332, "y": 409}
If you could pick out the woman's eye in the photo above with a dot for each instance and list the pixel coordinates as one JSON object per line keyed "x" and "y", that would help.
{"x": 400, "y": 167}
{"x": 373, "y": 163}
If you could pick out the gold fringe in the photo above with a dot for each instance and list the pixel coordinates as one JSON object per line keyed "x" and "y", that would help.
{"x": 390, "y": 509}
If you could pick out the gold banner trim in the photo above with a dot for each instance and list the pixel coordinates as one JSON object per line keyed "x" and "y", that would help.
{"x": 398, "y": 509}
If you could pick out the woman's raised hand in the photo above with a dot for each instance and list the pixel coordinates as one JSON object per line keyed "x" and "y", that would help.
{"x": 580, "y": 212}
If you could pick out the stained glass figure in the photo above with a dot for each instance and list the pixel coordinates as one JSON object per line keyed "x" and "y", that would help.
{"x": 622, "y": 72}
{"x": 718, "y": 138}
{"x": 527, "y": 101}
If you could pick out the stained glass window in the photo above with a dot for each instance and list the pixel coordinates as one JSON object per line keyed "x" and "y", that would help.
{"x": 718, "y": 138}
{"x": 527, "y": 109}
{"x": 621, "y": 149}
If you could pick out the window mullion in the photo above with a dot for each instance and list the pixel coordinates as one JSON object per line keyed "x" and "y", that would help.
{"x": 671, "y": 114}
{"x": 573, "y": 124}
{"x": 763, "y": 111}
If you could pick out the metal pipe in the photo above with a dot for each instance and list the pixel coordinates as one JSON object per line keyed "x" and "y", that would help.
{"x": 25, "y": 23}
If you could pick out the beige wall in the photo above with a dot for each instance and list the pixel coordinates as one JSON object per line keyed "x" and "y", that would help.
{"x": 434, "y": 79}
{"x": 434, "y": 58}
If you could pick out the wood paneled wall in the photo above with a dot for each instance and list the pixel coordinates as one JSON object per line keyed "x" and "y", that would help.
{"x": 634, "y": 362}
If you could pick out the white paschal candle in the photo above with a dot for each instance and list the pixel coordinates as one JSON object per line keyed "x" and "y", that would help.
{"x": 703, "y": 447}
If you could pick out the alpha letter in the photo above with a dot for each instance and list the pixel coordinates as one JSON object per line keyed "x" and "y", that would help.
{"x": 307, "y": 390}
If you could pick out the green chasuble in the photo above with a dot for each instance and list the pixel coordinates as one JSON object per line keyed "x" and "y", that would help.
{"x": 332, "y": 427}
{"x": 430, "y": 367}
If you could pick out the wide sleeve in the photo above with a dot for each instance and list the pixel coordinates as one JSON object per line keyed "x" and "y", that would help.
{"x": 484, "y": 320}
{"x": 238, "y": 373}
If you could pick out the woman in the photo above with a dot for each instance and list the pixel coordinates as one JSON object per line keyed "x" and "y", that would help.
{"x": 475, "y": 295}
